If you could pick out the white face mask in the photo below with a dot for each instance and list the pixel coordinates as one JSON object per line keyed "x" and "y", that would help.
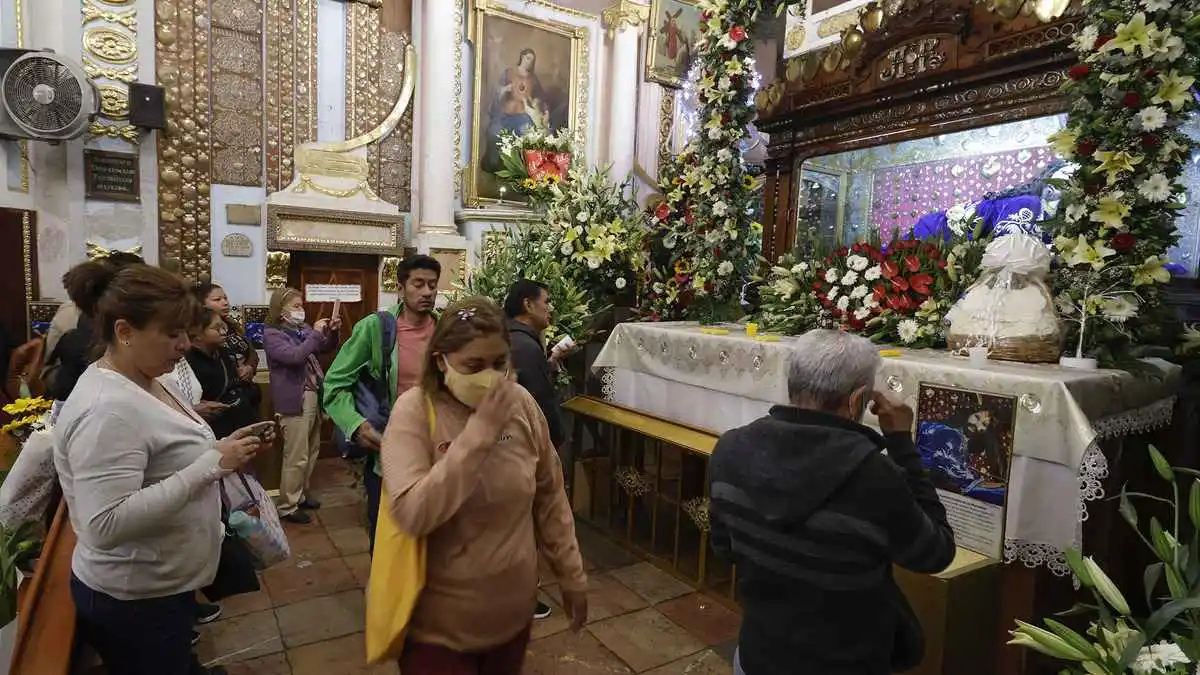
{"x": 296, "y": 317}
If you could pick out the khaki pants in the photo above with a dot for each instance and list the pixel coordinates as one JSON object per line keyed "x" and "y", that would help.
{"x": 301, "y": 444}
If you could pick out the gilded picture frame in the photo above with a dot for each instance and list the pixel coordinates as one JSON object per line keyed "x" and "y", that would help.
{"x": 502, "y": 39}
{"x": 670, "y": 41}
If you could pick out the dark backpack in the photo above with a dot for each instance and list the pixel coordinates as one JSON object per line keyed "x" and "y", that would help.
{"x": 372, "y": 397}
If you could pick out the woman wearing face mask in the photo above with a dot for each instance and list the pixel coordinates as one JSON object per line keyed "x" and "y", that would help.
{"x": 486, "y": 491}
{"x": 292, "y": 347}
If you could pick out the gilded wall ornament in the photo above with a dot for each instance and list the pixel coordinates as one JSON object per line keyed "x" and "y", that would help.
{"x": 237, "y": 85}
{"x": 125, "y": 132}
{"x": 110, "y": 45}
{"x": 23, "y": 146}
{"x": 624, "y": 14}
{"x": 291, "y": 85}
{"x": 388, "y": 274}
{"x": 837, "y": 23}
{"x": 114, "y": 101}
{"x": 92, "y": 12}
{"x": 126, "y": 74}
{"x": 277, "y": 268}
{"x": 666, "y": 126}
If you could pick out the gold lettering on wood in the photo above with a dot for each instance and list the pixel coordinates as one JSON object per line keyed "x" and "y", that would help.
{"x": 912, "y": 60}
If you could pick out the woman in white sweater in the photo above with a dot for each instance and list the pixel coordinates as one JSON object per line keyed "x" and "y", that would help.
{"x": 139, "y": 471}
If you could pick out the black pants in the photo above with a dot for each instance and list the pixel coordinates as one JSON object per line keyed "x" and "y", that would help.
{"x": 373, "y": 484}
{"x": 138, "y": 637}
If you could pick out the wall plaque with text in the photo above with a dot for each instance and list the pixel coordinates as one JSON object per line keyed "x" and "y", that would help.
{"x": 111, "y": 176}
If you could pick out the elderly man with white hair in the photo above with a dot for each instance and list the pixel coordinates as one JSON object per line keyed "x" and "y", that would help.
{"x": 814, "y": 514}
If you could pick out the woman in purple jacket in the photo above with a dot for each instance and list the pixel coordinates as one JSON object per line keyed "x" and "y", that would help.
{"x": 292, "y": 347}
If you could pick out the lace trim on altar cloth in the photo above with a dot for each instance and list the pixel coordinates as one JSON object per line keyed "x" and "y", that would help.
{"x": 1093, "y": 471}
{"x": 608, "y": 383}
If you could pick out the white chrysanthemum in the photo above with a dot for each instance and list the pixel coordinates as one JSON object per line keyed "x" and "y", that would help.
{"x": 620, "y": 283}
{"x": 567, "y": 248}
{"x": 873, "y": 273}
{"x": 583, "y": 216}
{"x": 833, "y": 292}
{"x": 1076, "y": 212}
{"x": 857, "y": 262}
{"x": 799, "y": 268}
{"x": 1156, "y": 5}
{"x": 1086, "y": 38}
{"x": 862, "y": 313}
{"x": 725, "y": 268}
{"x": 1158, "y": 658}
{"x": 849, "y": 278}
{"x": 843, "y": 302}
{"x": 720, "y": 209}
{"x": 593, "y": 262}
{"x": 831, "y": 276}
{"x": 1156, "y": 188}
{"x": 858, "y": 292}
{"x": 908, "y": 330}
{"x": 1152, "y": 118}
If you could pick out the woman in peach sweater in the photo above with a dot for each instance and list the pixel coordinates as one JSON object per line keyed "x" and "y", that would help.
{"x": 486, "y": 490}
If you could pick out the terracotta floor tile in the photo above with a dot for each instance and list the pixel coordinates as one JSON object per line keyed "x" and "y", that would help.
{"x": 275, "y": 664}
{"x": 645, "y": 639}
{"x": 651, "y": 583}
{"x": 360, "y": 567}
{"x": 302, "y": 581}
{"x": 600, "y": 552}
{"x": 726, "y": 649}
{"x": 704, "y": 663}
{"x": 555, "y": 623}
{"x": 246, "y": 603}
{"x": 333, "y": 473}
{"x": 323, "y": 618}
{"x": 566, "y": 653}
{"x": 703, "y": 617}
{"x": 340, "y": 656}
{"x": 331, "y": 497}
{"x": 607, "y": 598}
{"x": 240, "y": 638}
{"x": 350, "y": 540}
{"x": 309, "y": 543}
{"x": 334, "y": 517}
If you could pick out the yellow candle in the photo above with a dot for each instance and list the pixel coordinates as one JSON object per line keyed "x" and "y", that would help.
{"x": 751, "y": 329}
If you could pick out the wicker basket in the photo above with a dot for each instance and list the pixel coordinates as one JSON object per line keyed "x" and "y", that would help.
{"x": 1024, "y": 349}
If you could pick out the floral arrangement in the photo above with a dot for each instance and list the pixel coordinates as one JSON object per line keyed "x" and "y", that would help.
{"x": 596, "y": 230}
{"x": 1167, "y": 642}
{"x": 705, "y": 227}
{"x": 532, "y": 162}
{"x": 19, "y": 547}
{"x": 28, "y": 415}
{"x": 1132, "y": 90}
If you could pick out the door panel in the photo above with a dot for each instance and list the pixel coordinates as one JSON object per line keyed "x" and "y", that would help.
{"x": 13, "y": 272}
{"x": 336, "y": 268}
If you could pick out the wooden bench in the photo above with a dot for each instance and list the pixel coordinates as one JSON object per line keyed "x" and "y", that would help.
{"x": 46, "y": 615}
{"x": 646, "y": 485}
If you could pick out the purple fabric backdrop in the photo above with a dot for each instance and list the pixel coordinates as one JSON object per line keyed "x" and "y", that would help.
{"x": 902, "y": 194}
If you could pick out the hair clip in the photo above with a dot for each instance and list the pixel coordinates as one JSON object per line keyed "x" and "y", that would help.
{"x": 464, "y": 314}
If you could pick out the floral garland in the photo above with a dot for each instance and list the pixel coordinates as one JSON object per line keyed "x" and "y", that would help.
{"x": 534, "y": 161}
{"x": 1133, "y": 91}
{"x": 704, "y": 243}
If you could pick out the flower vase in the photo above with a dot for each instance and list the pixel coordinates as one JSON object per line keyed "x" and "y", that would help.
{"x": 1078, "y": 363}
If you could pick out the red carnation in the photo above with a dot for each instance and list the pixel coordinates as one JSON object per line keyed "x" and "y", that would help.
{"x": 1132, "y": 99}
{"x": 889, "y": 269}
{"x": 912, "y": 263}
{"x": 1123, "y": 242}
{"x": 921, "y": 282}
{"x": 1101, "y": 41}
{"x": 737, "y": 34}
{"x": 841, "y": 252}
{"x": 856, "y": 248}
{"x": 1086, "y": 147}
{"x": 1149, "y": 73}
{"x": 1079, "y": 72}
{"x": 817, "y": 285}
{"x": 1150, "y": 141}
{"x": 662, "y": 211}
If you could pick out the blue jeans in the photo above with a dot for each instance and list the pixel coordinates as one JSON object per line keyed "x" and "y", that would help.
{"x": 138, "y": 637}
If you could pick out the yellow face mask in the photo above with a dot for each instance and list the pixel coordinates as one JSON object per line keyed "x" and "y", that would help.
{"x": 470, "y": 389}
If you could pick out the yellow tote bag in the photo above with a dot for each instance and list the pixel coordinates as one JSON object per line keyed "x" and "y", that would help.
{"x": 397, "y": 578}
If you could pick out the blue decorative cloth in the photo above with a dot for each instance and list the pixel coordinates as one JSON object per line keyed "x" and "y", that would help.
{"x": 254, "y": 333}
{"x": 944, "y": 453}
{"x": 931, "y": 226}
{"x": 1003, "y": 216}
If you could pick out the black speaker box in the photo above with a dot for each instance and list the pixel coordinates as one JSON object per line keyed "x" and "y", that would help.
{"x": 147, "y": 106}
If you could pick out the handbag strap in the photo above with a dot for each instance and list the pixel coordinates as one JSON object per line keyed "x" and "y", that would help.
{"x": 430, "y": 415}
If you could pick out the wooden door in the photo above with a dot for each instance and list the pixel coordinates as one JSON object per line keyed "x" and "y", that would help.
{"x": 307, "y": 269}
{"x": 18, "y": 270}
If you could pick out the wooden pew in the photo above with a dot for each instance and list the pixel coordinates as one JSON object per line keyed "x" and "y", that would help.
{"x": 46, "y": 618}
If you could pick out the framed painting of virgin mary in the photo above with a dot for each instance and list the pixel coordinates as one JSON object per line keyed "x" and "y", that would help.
{"x": 674, "y": 30}
{"x": 527, "y": 75}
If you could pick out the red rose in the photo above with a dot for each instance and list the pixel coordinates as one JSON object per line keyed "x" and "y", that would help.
{"x": 826, "y": 303}
{"x": 1091, "y": 188}
{"x": 1101, "y": 41}
{"x": 1086, "y": 148}
{"x": 1123, "y": 242}
{"x": 857, "y": 248}
{"x": 921, "y": 282}
{"x": 1149, "y": 73}
{"x": 841, "y": 253}
{"x": 889, "y": 269}
{"x": 1132, "y": 99}
{"x": 817, "y": 285}
{"x": 912, "y": 263}
{"x": 708, "y": 287}
{"x": 1150, "y": 141}
{"x": 662, "y": 211}
{"x": 737, "y": 34}
{"x": 941, "y": 264}
{"x": 1079, "y": 72}
{"x": 717, "y": 252}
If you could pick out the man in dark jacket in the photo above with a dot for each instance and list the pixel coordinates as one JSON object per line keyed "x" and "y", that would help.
{"x": 814, "y": 516}
{"x": 529, "y": 312}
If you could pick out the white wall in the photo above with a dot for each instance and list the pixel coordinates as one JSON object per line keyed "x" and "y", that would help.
{"x": 244, "y": 279}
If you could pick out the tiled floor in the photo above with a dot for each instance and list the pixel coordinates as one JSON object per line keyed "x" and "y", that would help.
{"x": 308, "y": 617}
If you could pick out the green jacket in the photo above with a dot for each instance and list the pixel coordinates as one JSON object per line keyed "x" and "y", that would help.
{"x": 363, "y": 349}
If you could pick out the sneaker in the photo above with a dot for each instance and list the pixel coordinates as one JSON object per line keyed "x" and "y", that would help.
{"x": 207, "y": 613}
{"x": 195, "y": 638}
{"x": 542, "y": 611}
{"x": 298, "y": 517}
{"x": 310, "y": 503}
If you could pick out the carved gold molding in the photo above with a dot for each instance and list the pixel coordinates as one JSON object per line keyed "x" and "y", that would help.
{"x": 114, "y": 101}
{"x": 277, "y": 268}
{"x": 837, "y": 23}
{"x": 291, "y": 85}
{"x": 307, "y": 229}
{"x": 184, "y": 150}
{"x": 457, "y": 259}
{"x": 124, "y": 132}
{"x": 666, "y": 127}
{"x": 19, "y": 23}
{"x": 389, "y": 271}
{"x": 624, "y": 14}
{"x": 110, "y": 53}
{"x": 92, "y": 12}
{"x": 27, "y": 254}
{"x": 459, "y": 165}
{"x": 237, "y": 101}
{"x": 95, "y": 70}
{"x": 307, "y": 183}
{"x": 110, "y": 44}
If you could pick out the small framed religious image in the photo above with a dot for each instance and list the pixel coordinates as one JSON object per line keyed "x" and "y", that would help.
{"x": 965, "y": 439}
{"x": 671, "y": 43}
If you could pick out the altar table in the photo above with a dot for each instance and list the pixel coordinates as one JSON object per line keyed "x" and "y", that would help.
{"x": 715, "y": 380}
